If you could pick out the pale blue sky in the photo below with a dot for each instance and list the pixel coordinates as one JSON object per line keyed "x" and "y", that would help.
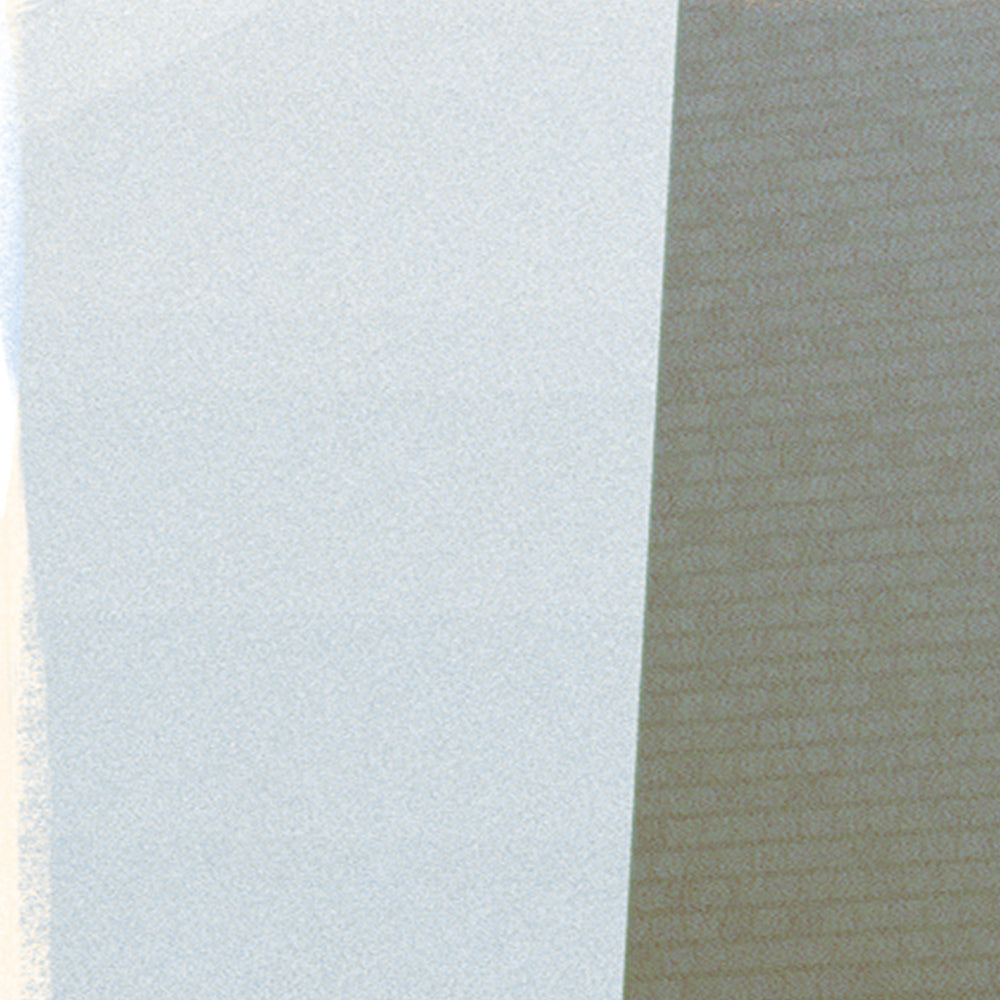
{"x": 340, "y": 358}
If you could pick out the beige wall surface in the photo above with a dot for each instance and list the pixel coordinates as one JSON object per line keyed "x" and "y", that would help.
{"x": 817, "y": 801}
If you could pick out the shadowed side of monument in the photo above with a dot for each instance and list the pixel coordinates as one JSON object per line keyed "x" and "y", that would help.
{"x": 816, "y": 807}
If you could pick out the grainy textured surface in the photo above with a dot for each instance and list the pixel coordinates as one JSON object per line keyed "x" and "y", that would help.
{"x": 338, "y": 392}
{"x": 817, "y": 800}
